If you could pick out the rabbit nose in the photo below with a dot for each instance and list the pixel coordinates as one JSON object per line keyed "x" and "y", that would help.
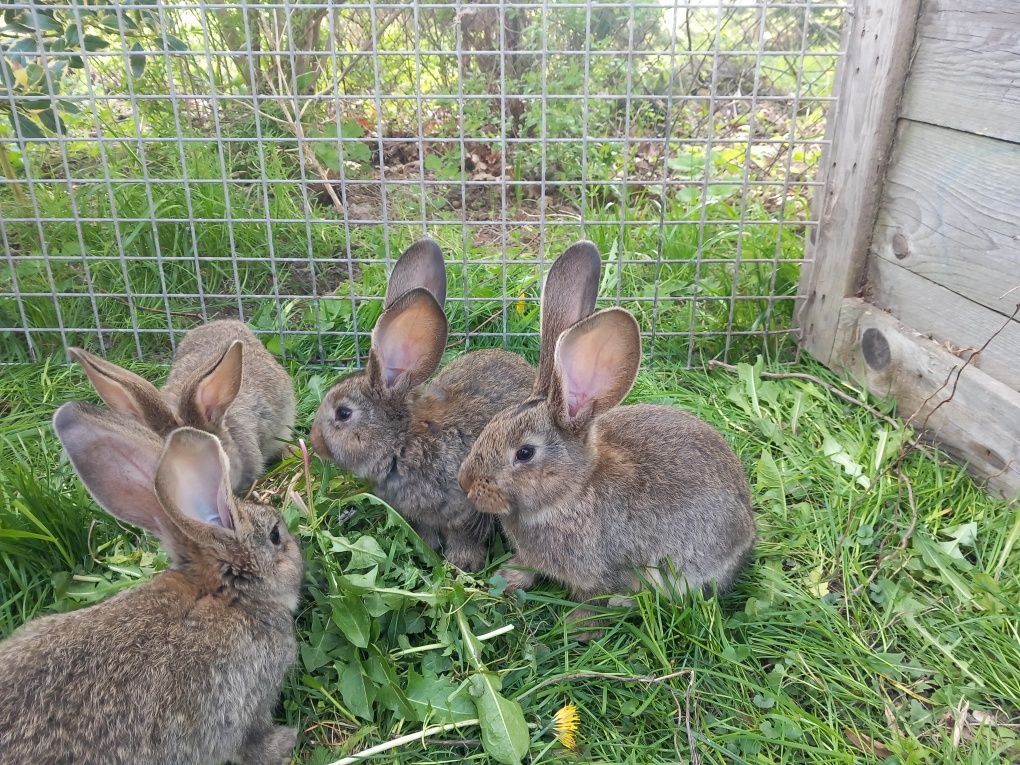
{"x": 318, "y": 443}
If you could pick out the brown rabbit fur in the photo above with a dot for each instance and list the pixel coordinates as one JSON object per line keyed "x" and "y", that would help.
{"x": 185, "y": 668}
{"x": 222, "y": 381}
{"x": 408, "y": 437}
{"x": 604, "y": 498}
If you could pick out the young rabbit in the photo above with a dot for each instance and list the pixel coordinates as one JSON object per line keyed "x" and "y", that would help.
{"x": 603, "y": 497}
{"x": 408, "y": 438}
{"x": 222, "y": 381}
{"x": 185, "y": 668}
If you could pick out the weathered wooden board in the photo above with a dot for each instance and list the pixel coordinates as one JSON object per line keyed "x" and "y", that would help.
{"x": 980, "y": 422}
{"x": 959, "y": 325}
{"x": 879, "y": 37}
{"x": 966, "y": 71}
{"x": 951, "y": 212}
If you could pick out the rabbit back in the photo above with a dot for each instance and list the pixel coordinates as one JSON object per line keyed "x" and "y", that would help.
{"x": 665, "y": 498}
{"x": 446, "y": 417}
{"x": 162, "y": 673}
{"x": 690, "y": 501}
{"x": 257, "y": 426}
{"x": 475, "y": 386}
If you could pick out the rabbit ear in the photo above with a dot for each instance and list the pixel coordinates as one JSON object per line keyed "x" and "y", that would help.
{"x": 421, "y": 265}
{"x": 569, "y": 294}
{"x": 408, "y": 340}
{"x": 124, "y": 391}
{"x": 216, "y": 391}
{"x": 596, "y": 362}
{"x": 116, "y": 459}
{"x": 193, "y": 478}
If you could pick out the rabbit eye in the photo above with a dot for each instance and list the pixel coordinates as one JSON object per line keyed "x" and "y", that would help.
{"x": 525, "y": 453}
{"x": 274, "y": 534}
{"x": 343, "y": 413}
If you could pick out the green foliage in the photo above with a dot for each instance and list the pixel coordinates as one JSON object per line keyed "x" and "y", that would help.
{"x": 869, "y": 627}
{"x": 37, "y": 53}
{"x": 728, "y": 261}
{"x": 838, "y": 642}
{"x": 346, "y": 144}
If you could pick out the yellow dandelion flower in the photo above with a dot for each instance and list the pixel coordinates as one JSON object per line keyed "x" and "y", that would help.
{"x": 566, "y": 721}
{"x": 520, "y": 304}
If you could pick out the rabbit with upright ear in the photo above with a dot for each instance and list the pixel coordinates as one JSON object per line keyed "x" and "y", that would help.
{"x": 186, "y": 668}
{"x": 408, "y": 435}
{"x": 605, "y": 498}
{"x": 222, "y": 381}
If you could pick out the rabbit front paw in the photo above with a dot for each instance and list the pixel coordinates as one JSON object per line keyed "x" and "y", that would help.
{"x": 468, "y": 558}
{"x": 271, "y": 745}
{"x": 517, "y": 578}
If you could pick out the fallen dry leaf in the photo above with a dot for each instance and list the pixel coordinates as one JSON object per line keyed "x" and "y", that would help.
{"x": 867, "y": 744}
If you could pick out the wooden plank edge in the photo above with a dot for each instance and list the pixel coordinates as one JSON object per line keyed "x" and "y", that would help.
{"x": 879, "y": 40}
{"x": 979, "y": 423}
{"x": 954, "y": 321}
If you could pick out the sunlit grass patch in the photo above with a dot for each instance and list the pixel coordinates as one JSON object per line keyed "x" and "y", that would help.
{"x": 840, "y": 642}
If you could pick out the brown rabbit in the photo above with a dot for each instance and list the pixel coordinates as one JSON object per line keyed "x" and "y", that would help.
{"x": 222, "y": 381}
{"x": 185, "y": 668}
{"x": 603, "y": 497}
{"x": 407, "y": 437}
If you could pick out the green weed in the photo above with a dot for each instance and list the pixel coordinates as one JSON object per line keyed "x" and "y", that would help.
{"x": 866, "y": 629}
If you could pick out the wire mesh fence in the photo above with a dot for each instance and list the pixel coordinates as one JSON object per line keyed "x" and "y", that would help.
{"x": 165, "y": 164}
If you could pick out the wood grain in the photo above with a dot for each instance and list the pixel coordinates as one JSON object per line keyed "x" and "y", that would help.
{"x": 951, "y": 213}
{"x": 966, "y": 71}
{"x": 879, "y": 37}
{"x": 977, "y": 426}
{"x": 959, "y": 325}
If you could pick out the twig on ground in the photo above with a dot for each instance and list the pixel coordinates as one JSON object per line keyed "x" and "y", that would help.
{"x": 905, "y": 537}
{"x": 956, "y": 382}
{"x": 400, "y": 741}
{"x": 161, "y": 311}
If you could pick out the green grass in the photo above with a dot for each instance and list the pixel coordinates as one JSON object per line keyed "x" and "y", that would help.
{"x": 867, "y": 629}
{"x": 192, "y": 259}
{"x": 838, "y": 644}
{"x": 144, "y": 269}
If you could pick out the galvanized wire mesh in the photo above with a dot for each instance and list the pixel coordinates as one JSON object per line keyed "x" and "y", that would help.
{"x": 166, "y": 163}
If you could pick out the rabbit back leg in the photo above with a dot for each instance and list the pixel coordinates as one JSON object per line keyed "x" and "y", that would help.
{"x": 429, "y": 534}
{"x": 586, "y": 624}
{"x": 517, "y": 576}
{"x": 267, "y": 744}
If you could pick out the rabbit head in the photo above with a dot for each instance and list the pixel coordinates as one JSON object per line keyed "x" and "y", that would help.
{"x": 542, "y": 451}
{"x": 180, "y": 491}
{"x": 365, "y": 413}
{"x": 202, "y": 404}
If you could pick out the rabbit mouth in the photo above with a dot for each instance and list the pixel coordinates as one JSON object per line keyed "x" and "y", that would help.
{"x": 319, "y": 445}
{"x": 486, "y": 498}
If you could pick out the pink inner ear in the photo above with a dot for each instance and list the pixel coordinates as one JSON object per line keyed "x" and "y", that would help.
{"x": 398, "y": 356}
{"x": 117, "y": 467}
{"x": 207, "y": 399}
{"x": 580, "y": 386}
{"x": 409, "y": 338}
{"x": 196, "y": 478}
{"x": 217, "y": 391}
{"x": 210, "y": 410}
{"x": 596, "y": 360}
